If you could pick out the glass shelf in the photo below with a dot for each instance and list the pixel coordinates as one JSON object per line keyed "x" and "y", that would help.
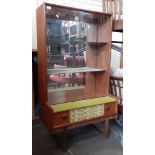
{"x": 66, "y": 41}
{"x": 74, "y": 70}
{"x": 51, "y": 90}
{"x": 73, "y": 42}
{"x": 97, "y": 43}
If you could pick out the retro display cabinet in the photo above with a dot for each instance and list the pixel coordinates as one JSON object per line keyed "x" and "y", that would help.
{"x": 73, "y": 67}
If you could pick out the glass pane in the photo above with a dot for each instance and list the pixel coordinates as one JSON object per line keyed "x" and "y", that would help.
{"x": 66, "y": 45}
{"x": 67, "y": 41}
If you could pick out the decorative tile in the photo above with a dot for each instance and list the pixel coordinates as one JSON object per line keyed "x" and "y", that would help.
{"x": 86, "y": 113}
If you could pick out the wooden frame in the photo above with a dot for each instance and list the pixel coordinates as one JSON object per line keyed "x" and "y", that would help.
{"x": 96, "y": 81}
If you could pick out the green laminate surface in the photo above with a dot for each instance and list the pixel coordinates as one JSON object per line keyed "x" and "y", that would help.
{"x": 74, "y": 70}
{"x": 82, "y": 103}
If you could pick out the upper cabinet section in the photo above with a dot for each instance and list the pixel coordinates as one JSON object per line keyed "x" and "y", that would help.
{"x": 73, "y": 26}
{"x": 74, "y": 51}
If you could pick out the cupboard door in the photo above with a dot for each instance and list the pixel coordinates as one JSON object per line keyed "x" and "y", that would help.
{"x": 60, "y": 118}
{"x": 110, "y": 109}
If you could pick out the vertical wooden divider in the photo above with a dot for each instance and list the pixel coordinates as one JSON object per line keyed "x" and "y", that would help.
{"x": 103, "y": 55}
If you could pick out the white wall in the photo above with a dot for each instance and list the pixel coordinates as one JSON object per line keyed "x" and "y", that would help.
{"x": 34, "y": 28}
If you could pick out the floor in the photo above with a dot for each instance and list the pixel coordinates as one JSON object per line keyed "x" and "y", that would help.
{"x": 87, "y": 140}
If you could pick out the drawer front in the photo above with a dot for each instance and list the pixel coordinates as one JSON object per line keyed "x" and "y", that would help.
{"x": 110, "y": 109}
{"x": 86, "y": 113}
{"x": 60, "y": 118}
{"x": 64, "y": 118}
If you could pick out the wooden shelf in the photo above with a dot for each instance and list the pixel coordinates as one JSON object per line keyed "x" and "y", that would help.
{"x": 53, "y": 41}
{"x": 74, "y": 70}
{"x": 51, "y": 90}
{"x": 63, "y": 41}
{"x": 94, "y": 43}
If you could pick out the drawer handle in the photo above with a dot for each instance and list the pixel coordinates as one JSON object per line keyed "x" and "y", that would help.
{"x": 107, "y": 108}
{"x": 64, "y": 117}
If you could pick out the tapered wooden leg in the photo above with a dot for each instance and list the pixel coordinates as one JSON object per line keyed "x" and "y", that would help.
{"x": 64, "y": 140}
{"x": 106, "y": 129}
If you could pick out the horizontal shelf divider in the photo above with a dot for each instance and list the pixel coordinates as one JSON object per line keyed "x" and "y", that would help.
{"x": 75, "y": 41}
{"x": 82, "y": 103}
{"x": 97, "y": 42}
{"x": 51, "y": 90}
{"x": 74, "y": 70}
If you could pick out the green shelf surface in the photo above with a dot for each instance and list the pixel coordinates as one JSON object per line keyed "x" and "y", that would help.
{"x": 51, "y": 90}
{"x": 82, "y": 103}
{"x": 74, "y": 70}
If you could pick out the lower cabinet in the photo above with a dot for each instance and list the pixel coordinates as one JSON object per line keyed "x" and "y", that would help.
{"x": 61, "y": 118}
{"x": 64, "y": 118}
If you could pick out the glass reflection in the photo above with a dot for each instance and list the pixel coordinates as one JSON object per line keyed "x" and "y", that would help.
{"x": 66, "y": 48}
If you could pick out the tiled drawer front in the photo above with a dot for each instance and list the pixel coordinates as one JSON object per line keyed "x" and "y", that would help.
{"x": 81, "y": 114}
{"x": 86, "y": 113}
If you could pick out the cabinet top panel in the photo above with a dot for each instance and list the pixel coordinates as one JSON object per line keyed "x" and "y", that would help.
{"x": 48, "y": 5}
{"x": 74, "y": 70}
{"x": 72, "y": 14}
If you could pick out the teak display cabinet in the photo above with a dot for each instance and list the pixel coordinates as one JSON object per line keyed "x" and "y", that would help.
{"x": 74, "y": 67}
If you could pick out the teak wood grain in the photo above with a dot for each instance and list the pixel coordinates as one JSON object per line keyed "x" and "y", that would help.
{"x": 102, "y": 79}
{"x": 42, "y": 76}
{"x": 96, "y": 84}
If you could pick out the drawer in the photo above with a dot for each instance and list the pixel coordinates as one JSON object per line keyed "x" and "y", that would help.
{"x": 60, "y": 118}
{"x": 110, "y": 109}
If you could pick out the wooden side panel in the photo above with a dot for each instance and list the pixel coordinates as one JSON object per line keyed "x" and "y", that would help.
{"x": 91, "y": 55}
{"x": 102, "y": 78}
{"x": 110, "y": 109}
{"x": 90, "y": 77}
{"x": 42, "y": 75}
{"x": 103, "y": 56}
{"x": 61, "y": 119}
{"x": 105, "y": 30}
{"x": 92, "y": 32}
{"x": 90, "y": 85}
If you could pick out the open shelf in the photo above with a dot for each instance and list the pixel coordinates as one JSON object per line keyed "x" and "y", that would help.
{"x": 94, "y": 43}
{"x": 51, "y": 90}
{"x": 62, "y": 41}
{"x": 74, "y": 70}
